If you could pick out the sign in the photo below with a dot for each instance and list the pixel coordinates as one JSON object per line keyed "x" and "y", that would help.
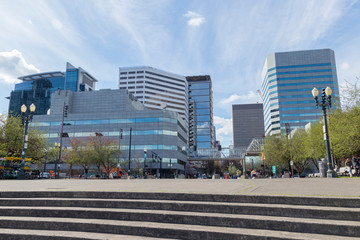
{"x": 291, "y": 163}
{"x": 274, "y": 169}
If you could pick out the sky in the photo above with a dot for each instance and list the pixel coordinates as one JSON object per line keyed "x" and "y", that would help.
{"x": 228, "y": 40}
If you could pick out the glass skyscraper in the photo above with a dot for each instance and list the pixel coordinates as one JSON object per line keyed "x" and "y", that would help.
{"x": 37, "y": 88}
{"x": 287, "y": 81}
{"x": 201, "y": 125}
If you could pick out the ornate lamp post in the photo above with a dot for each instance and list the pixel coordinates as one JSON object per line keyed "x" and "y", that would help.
{"x": 26, "y": 119}
{"x": 57, "y": 160}
{"x": 324, "y": 103}
{"x": 145, "y": 151}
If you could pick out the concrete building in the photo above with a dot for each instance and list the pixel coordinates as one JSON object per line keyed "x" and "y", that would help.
{"x": 156, "y": 89}
{"x": 37, "y": 88}
{"x": 287, "y": 81}
{"x": 248, "y": 123}
{"x": 108, "y": 113}
{"x": 201, "y": 124}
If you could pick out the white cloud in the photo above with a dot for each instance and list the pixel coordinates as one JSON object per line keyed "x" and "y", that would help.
{"x": 250, "y": 97}
{"x": 344, "y": 66}
{"x": 14, "y": 65}
{"x": 223, "y": 130}
{"x": 195, "y": 19}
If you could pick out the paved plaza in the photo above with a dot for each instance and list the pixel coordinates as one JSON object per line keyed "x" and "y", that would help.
{"x": 339, "y": 187}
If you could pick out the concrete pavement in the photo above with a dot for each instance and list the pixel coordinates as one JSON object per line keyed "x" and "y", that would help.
{"x": 339, "y": 187}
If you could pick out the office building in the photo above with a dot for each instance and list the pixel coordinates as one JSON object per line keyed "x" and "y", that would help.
{"x": 287, "y": 81}
{"x": 156, "y": 89}
{"x": 108, "y": 113}
{"x": 201, "y": 124}
{"x": 37, "y": 88}
{"x": 248, "y": 123}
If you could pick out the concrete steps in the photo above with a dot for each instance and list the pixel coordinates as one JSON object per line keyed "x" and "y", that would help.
{"x": 105, "y": 215}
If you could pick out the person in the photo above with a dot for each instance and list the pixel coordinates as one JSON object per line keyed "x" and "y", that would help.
{"x": 253, "y": 173}
{"x": 355, "y": 162}
{"x": 348, "y": 166}
{"x": 86, "y": 171}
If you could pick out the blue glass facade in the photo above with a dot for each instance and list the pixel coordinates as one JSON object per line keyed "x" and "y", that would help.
{"x": 201, "y": 128}
{"x": 37, "y": 88}
{"x": 288, "y": 79}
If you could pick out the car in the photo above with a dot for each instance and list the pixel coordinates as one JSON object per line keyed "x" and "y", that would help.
{"x": 44, "y": 175}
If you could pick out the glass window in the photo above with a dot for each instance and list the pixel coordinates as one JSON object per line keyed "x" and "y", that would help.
{"x": 205, "y": 138}
{"x": 203, "y": 118}
{"x": 203, "y": 124}
{"x": 200, "y": 98}
{"x": 199, "y": 86}
{"x": 203, "y": 111}
{"x": 199, "y": 92}
{"x": 202, "y": 105}
{"x": 203, "y": 131}
{"x": 203, "y": 144}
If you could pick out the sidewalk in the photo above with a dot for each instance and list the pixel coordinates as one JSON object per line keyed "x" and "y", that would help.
{"x": 339, "y": 187}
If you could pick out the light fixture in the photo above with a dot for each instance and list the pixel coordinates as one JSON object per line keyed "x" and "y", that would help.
{"x": 315, "y": 92}
{"x": 23, "y": 108}
{"x": 328, "y": 91}
{"x": 32, "y": 108}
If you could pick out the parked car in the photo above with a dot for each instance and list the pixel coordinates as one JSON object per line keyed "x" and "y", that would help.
{"x": 44, "y": 175}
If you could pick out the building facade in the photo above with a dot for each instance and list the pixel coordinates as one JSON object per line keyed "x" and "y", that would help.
{"x": 201, "y": 124}
{"x": 112, "y": 113}
{"x": 287, "y": 81}
{"x": 248, "y": 123}
{"x": 37, "y": 88}
{"x": 156, "y": 89}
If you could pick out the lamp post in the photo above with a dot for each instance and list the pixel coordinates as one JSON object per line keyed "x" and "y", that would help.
{"x": 57, "y": 160}
{"x": 324, "y": 103}
{"x": 145, "y": 151}
{"x": 26, "y": 119}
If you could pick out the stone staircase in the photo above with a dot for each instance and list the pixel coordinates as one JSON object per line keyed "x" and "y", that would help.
{"x": 125, "y": 215}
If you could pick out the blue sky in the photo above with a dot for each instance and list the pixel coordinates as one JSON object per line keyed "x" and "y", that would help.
{"x": 229, "y": 40}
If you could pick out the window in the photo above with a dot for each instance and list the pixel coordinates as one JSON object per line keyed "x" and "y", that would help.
{"x": 131, "y": 72}
{"x": 140, "y": 71}
{"x": 131, "y": 87}
{"x": 199, "y": 86}
{"x": 122, "y": 73}
{"x": 139, "y": 81}
{"x": 123, "y": 78}
{"x": 140, "y": 77}
{"x": 122, "y": 83}
{"x": 139, "y": 86}
{"x": 123, "y": 88}
{"x": 131, "y": 77}
{"x": 132, "y": 82}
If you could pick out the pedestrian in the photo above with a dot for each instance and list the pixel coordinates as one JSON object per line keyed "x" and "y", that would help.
{"x": 355, "y": 162}
{"x": 86, "y": 169}
{"x": 348, "y": 166}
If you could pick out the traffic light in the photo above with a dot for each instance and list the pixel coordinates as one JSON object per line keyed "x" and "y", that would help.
{"x": 66, "y": 107}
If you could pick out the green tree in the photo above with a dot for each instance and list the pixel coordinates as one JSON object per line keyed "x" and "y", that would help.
{"x": 276, "y": 151}
{"x": 12, "y": 137}
{"x": 103, "y": 152}
{"x": 298, "y": 150}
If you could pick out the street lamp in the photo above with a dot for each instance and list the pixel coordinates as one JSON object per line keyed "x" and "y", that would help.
{"x": 57, "y": 160}
{"x": 324, "y": 103}
{"x": 26, "y": 119}
{"x": 145, "y": 151}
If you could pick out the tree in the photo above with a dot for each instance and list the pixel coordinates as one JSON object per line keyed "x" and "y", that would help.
{"x": 77, "y": 154}
{"x": 276, "y": 151}
{"x": 298, "y": 150}
{"x": 12, "y": 137}
{"x": 103, "y": 152}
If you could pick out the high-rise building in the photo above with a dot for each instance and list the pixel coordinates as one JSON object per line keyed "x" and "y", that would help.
{"x": 248, "y": 123}
{"x": 287, "y": 81}
{"x": 115, "y": 113}
{"x": 201, "y": 125}
{"x": 156, "y": 89}
{"x": 37, "y": 88}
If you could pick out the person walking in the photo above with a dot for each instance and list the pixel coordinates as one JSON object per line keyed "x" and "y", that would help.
{"x": 355, "y": 162}
{"x": 348, "y": 166}
{"x": 86, "y": 169}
